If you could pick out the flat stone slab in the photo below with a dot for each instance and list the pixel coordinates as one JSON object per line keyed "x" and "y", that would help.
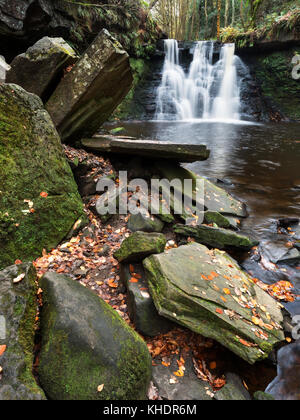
{"x": 208, "y": 293}
{"x": 147, "y": 148}
{"x": 215, "y": 198}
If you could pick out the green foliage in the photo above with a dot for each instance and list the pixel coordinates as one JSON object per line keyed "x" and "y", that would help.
{"x": 229, "y": 34}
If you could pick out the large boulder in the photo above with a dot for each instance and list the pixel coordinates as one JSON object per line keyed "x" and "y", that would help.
{"x": 286, "y": 386}
{"x": 17, "y": 322}
{"x": 216, "y": 237}
{"x": 39, "y": 68}
{"x": 140, "y": 245}
{"x": 86, "y": 345}
{"x": 39, "y": 201}
{"x": 90, "y": 92}
{"x": 207, "y": 292}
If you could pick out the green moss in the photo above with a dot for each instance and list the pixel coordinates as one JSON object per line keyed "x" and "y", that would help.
{"x": 32, "y": 161}
{"x": 139, "y": 245}
{"x": 275, "y": 75}
{"x": 74, "y": 363}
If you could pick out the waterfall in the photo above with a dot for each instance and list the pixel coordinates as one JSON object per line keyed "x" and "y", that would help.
{"x": 207, "y": 91}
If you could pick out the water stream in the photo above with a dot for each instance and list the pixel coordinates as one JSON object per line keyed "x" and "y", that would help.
{"x": 208, "y": 90}
{"x": 257, "y": 163}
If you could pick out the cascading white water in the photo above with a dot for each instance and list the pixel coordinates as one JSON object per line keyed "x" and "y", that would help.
{"x": 207, "y": 91}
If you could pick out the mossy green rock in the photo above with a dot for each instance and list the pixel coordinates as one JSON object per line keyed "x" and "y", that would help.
{"x": 32, "y": 161}
{"x": 274, "y": 72}
{"x": 216, "y": 237}
{"x": 140, "y": 245}
{"x": 18, "y": 308}
{"x": 85, "y": 344}
{"x": 216, "y": 218}
{"x": 208, "y": 293}
{"x": 144, "y": 222}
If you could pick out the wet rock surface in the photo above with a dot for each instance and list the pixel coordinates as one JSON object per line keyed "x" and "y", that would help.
{"x": 286, "y": 386}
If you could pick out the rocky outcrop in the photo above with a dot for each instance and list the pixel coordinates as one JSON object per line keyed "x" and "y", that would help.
{"x": 18, "y": 309}
{"x": 272, "y": 71}
{"x": 24, "y": 22}
{"x": 88, "y": 352}
{"x": 148, "y": 148}
{"x": 39, "y": 198}
{"x": 41, "y": 66}
{"x": 216, "y": 237}
{"x": 207, "y": 292}
{"x": 89, "y": 93}
{"x": 286, "y": 386}
{"x": 140, "y": 245}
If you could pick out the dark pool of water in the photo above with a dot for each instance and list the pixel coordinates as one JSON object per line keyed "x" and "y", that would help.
{"x": 261, "y": 161}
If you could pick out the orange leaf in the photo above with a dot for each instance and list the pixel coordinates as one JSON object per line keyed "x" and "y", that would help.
{"x": 44, "y": 194}
{"x": 213, "y": 365}
{"x": 245, "y": 343}
{"x": 133, "y": 280}
{"x": 179, "y": 373}
{"x": 18, "y": 262}
{"x": 227, "y": 291}
{"x": 2, "y": 349}
{"x": 111, "y": 283}
{"x": 219, "y": 311}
